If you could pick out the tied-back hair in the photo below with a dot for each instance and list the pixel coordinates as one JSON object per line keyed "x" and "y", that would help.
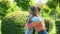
{"x": 34, "y": 11}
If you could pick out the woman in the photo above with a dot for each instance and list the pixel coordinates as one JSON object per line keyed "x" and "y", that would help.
{"x": 37, "y": 21}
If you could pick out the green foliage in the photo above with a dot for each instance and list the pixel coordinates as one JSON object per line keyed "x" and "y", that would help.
{"x": 6, "y": 7}
{"x": 57, "y": 1}
{"x": 51, "y": 4}
{"x": 57, "y": 26}
{"x": 46, "y": 10}
{"x": 59, "y": 16}
{"x": 3, "y": 8}
{"x": 45, "y": 15}
{"x": 14, "y": 23}
{"x": 49, "y": 23}
{"x": 54, "y": 6}
{"x": 23, "y": 3}
{"x": 0, "y": 26}
{"x": 53, "y": 14}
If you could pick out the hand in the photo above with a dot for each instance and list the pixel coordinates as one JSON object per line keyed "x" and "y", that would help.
{"x": 28, "y": 25}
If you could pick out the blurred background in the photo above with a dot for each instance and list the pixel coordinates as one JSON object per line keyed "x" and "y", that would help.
{"x": 13, "y": 15}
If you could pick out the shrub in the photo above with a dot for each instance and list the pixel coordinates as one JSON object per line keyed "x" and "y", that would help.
{"x": 57, "y": 22}
{"x": 14, "y": 23}
{"x": 49, "y": 23}
{"x": 6, "y": 6}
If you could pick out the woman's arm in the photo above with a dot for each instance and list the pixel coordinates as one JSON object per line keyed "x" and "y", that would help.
{"x": 34, "y": 24}
{"x": 28, "y": 25}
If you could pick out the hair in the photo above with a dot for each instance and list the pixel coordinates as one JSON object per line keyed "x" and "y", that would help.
{"x": 34, "y": 10}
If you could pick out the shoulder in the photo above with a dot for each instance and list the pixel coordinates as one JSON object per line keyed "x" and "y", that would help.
{"x": 35, "y": 19}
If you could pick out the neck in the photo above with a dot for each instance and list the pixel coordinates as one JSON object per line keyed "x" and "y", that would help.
{"x": 38, "y": 15}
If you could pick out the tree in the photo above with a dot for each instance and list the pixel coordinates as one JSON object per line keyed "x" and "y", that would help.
{"x": 24, "y": 4}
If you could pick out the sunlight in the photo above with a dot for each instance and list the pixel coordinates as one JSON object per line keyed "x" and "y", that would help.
{"x": 11, "y": 0}
{"x": 40, "y": 1}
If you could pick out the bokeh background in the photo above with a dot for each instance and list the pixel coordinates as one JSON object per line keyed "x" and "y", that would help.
{"x": 13, "y": 15}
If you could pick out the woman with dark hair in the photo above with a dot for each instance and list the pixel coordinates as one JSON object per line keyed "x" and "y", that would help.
{"x": 35, "y": 21}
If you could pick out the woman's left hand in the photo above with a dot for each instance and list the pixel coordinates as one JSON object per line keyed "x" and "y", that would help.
{"x": 28, "y": 25}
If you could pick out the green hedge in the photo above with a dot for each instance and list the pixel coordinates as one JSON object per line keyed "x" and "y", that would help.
{"x": 49, "y": 23}
{"x": 14, "y": 23}
{"x": 57, "y": 26}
